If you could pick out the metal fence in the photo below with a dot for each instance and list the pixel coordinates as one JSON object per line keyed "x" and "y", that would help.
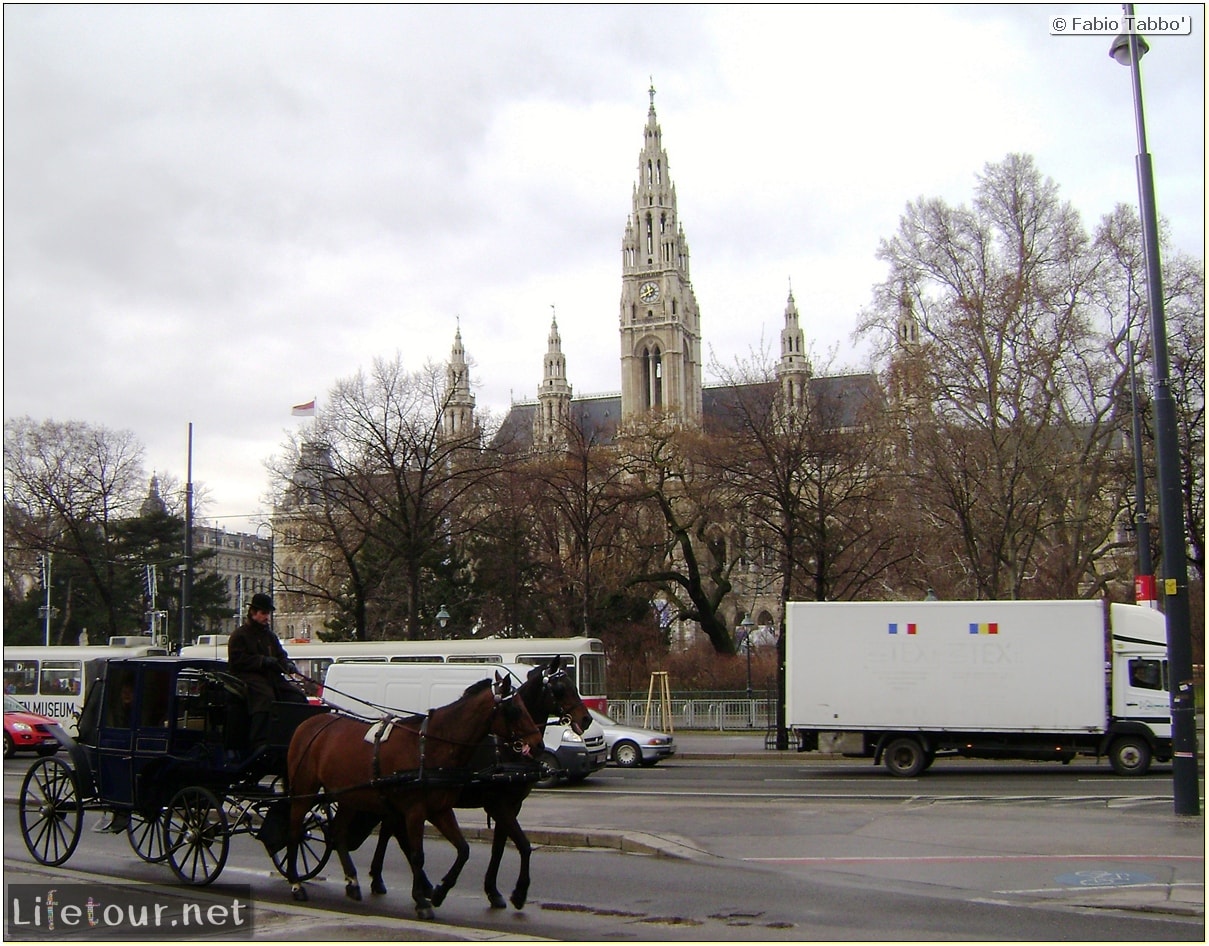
{"x": 721, "y": 714}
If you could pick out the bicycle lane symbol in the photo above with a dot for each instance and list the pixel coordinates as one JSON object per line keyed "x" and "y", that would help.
{"x": 1104, "y": 878}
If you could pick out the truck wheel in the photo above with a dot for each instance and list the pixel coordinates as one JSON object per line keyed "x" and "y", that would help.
{"x": 904, "y": 757}
{"x": 1130, "y": 755}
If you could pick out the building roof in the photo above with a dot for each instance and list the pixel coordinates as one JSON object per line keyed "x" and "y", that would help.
{"x": 842, "y": 397}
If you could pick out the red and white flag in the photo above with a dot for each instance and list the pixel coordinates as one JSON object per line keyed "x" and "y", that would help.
{"x": 304, "y": 410}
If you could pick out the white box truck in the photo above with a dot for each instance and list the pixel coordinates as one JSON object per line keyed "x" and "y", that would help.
{"x": 372, "y": 688}
{"x": 906, "y": 681}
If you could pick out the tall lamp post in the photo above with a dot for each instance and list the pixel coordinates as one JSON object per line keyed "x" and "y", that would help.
{"x": 1128, "y": 49}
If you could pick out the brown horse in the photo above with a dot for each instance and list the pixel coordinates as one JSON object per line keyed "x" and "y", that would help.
{"x": 547, "y": 692}
{"x": 412, "y": 774}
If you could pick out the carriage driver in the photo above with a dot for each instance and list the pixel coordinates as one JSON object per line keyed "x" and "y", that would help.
{"x": 256, "y": 656}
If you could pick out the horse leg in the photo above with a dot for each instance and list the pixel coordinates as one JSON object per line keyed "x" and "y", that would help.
{"x": 421, "y": 889}
{"x": 339, "y": 831}
{"x": 447, "y": 823}
{"x": 388, "y": 829}
{"x": 298, "y": 810}
{"x": 520, "y": 893}
{"x": 504, "y": 808}
{"x": 499, "y": 838}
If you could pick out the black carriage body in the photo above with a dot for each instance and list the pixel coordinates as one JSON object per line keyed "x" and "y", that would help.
{"x": 153, "y": 725}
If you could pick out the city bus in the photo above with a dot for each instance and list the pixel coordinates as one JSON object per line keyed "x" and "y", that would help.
{"x": 585, "y": 655}
{"x": 53, "y": 681}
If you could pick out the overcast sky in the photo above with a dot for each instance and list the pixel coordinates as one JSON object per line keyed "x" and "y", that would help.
{"x": 212, "y": 213}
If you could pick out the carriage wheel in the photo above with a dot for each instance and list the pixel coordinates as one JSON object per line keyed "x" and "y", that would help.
{"x": 145, "y": 832}
{"x": 313, "y": 850}
{"x": 51, "y": 811}
{"x": 196, "y": 837}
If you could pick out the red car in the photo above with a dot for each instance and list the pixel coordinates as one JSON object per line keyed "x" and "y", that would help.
{"x": 26, "y": 730}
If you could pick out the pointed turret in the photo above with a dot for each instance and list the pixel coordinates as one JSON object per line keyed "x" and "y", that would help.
{"x": 793, "y": 370}
{"x": 458, "y": 415}
{"x": 553, "y": 395}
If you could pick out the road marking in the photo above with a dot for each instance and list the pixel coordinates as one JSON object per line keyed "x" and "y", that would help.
{"x": 1117, "y": 887}
{"x": 974, "y": 858}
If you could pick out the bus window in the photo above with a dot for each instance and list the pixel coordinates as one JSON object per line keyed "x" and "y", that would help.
{"x": 591, "y": 675}
{"x": 313, "y": 668}
{"x": 477, "y": 659}
{"x": 419, "y": 660}
{"x": 60, "y": 677}
{"x": 21, "y": 677}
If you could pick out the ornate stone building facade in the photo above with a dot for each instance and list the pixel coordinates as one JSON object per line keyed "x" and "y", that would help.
{"x": 660, "y": 335}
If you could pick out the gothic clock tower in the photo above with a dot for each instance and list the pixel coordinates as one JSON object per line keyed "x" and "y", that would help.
{"x": 660, "y": 327}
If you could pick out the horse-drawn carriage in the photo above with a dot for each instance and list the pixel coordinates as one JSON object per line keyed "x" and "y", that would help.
{"x": 163, "y": 750}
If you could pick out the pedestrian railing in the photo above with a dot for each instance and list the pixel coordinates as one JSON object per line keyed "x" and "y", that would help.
{"x": 722, "y": 715}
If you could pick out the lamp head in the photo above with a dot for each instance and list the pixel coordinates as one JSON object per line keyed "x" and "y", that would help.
{"x": 1120, "y": 48}
{"x": 442, "y": 616}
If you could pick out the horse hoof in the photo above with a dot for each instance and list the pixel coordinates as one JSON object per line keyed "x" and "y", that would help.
{"x": 518, "y": 900}
{"x": 438, "y": 896}
{"x": 299, "y": 894}
{"x": 497, "y": 902}
{"x": 377, "y": 887}
{"x": 353, "y": 891}
{"x": 425, "y": 913}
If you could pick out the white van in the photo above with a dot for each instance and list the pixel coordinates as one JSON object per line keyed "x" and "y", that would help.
{"x": 382, "y": 689}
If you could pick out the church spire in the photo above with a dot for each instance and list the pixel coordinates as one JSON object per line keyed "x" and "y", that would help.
{"x": 660, "y": 325}
{"x": 793, "y": 370}
{"x": 457, "y": 419}
{"x": 554, "y": 394}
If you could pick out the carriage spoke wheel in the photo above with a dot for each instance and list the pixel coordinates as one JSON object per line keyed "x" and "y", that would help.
{"x": 196, "y": 837}
{"x": 313, "y": 850}
{"x": 50, "y": 811}
{"x": 145, "y": 832}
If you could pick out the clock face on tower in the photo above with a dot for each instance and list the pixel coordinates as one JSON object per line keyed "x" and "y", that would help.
{"x": 648, "y": 292}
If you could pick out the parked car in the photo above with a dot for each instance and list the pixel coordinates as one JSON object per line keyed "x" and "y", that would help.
{"x": 633, "y": 745}
{"x": 26, "y": 730}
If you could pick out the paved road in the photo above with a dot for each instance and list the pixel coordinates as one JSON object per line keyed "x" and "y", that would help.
{"x": 771, "y": 856}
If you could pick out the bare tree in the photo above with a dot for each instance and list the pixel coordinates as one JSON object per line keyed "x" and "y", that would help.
{"x": 580, "y": 510}
{"x": 391, "y": 492}
{"x": 1011, "y": 458}
{"x": 682, "y": 524}
{"x": 67, "y": 487}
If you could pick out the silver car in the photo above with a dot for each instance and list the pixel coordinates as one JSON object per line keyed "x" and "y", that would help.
{"x": 632, "y": 745}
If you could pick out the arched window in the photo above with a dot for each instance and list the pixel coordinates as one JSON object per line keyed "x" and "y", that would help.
{"x": 652, "y": 378}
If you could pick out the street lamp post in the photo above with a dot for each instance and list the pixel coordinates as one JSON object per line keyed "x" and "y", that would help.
{"x": 748, "y": 626}
{"x": 1128, "y": 49}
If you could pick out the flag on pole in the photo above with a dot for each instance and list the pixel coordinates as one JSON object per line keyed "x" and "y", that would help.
{"x": 304, "y": 410}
